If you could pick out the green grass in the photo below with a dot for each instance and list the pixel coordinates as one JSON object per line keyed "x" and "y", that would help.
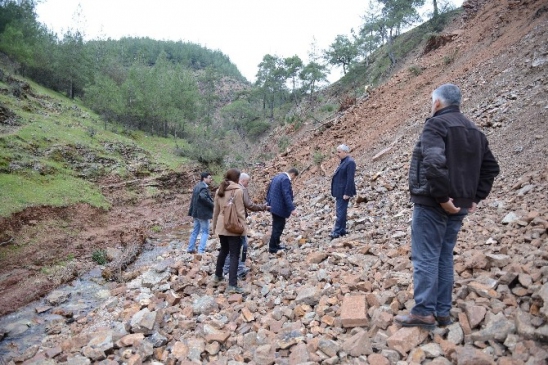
{"x": 19, "y": 192}
{"x": 60, "y": 148}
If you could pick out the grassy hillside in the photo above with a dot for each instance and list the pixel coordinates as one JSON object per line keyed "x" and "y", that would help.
{"x": 54, "y": 151}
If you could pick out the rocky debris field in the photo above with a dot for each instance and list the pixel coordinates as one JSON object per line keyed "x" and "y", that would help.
{"x": 327, "y": 301}
{"x": 333, "y": 302}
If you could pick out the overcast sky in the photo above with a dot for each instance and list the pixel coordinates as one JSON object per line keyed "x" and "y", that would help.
{"x": 244, "y": 30}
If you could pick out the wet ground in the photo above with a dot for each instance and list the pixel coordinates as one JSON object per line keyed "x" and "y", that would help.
{"x": 28, "y": 326}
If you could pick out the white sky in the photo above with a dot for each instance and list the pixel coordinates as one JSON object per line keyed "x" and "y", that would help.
{"x": 244, "y": 30}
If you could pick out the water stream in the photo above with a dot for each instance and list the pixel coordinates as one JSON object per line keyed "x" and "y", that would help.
{"x": 29, "y": 325}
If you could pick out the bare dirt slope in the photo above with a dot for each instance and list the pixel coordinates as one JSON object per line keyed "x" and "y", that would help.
{"x": 497, "y": 54}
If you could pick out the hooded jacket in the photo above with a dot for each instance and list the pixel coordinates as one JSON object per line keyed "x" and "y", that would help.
{"x": 220, "y": 203}
{"x": 452, "y": 159}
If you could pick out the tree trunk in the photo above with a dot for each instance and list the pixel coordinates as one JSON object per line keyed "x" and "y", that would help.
{"x": 436, "y": 12}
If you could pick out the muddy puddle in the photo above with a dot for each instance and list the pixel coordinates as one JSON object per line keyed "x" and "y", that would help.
{"x": 29, "y": 325}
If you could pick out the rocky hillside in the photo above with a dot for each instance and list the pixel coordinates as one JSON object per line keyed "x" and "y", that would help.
{"x": 334, "y": 301}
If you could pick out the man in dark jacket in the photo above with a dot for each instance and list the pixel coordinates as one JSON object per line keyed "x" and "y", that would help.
{"x": 280, "y": 199}
{"x": 452, "y": 169}
{"x": 201, "y": 209}
{"x": 342, "y": 188}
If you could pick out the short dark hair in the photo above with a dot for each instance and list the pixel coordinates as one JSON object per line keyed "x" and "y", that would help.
{"x": 204, "y": 175}
{"x": 293, "y": 171}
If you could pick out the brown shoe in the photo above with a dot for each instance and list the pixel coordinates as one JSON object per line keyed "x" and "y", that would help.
{"x": 444, "y": 320}
{"x": 413, "y": 320}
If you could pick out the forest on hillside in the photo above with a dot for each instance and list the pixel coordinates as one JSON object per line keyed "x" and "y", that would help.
{"x": 186, "y": 91}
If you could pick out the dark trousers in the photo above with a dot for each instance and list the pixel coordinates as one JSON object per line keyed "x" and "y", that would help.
{"x": 229, "y": 245}
{"x": 278, "y": 225}
{"x": 341, "y": 207}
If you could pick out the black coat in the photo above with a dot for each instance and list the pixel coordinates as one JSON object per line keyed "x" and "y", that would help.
{"x": 452, "y": 159}
{"x": 201, "y": 205}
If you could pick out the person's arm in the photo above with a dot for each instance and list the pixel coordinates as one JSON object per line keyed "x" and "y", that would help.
{"x": 240, "y": 206}
{"x": 350, "y": 172}
{"x": 205, "y": 197}
{"x": 488, "y": 171}
{"x": 250, "y": 205}
{"x": 434, "y": 160}
{"x": 287, "y": 193}
{"x": 216, "y": 210}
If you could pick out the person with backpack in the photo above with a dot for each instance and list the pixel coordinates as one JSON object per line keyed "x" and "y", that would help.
{"x": 230, "y": 225}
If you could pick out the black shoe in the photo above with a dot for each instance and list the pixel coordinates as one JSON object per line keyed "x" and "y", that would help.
{"x": 333, "y": 236}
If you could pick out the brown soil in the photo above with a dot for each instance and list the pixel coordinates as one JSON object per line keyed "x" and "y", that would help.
{"x": 46, "y": 246}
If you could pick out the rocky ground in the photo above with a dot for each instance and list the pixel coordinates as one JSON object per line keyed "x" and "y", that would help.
{"x": 334, "y": 301}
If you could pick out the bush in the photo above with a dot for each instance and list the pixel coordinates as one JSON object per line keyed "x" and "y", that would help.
{"x": 283, "y": 143}
{"x": 99, "y": 256}
{"x": 318, "y": 157}
{"x": 415, "y": 70}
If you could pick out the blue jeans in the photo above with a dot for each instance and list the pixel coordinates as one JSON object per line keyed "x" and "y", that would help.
{"x": 200, "y": 225}
{"x": 341, "y": 207}
{"x": 433, "y": 237}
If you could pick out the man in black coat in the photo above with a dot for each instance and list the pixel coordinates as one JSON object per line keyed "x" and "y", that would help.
{"x": 342, "y": 188}
{"x": 452, "y": 169}
{"x": 201, "y": 209}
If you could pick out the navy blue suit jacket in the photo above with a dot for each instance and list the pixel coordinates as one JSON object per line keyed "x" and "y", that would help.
{"x": 280, "y": 196}
{"x": 342, "y": 182}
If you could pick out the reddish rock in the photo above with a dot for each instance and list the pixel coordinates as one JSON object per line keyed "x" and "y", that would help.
{"x": 406, "y": 338}
{"x": 354, "y": 311}
{"x": 377, "y": 359}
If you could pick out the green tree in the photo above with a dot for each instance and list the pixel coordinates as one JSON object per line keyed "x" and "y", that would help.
{"x": 209, "y": 81}
{"x": 370, "y": 35}
{"x": 314, "y": 73}
{"x": 74, "y": 64}
{"x": 19, "y": 31}
{"x": 271, "y": 79}
{"x": 293, "y": 67}
{"x": 342, "y": 52}
{"x": 396, "y": 15}
{"x": 241, "y": 116}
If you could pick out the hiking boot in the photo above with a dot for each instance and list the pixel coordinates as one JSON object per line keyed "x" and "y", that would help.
{"x": 444, "y": 320}
{"x": 414, "y": 320}
{"x": 216, "y": 281}
{"x": 234, "y": 290}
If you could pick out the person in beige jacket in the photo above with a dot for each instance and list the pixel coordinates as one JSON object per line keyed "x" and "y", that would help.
{"x": 230, "y": 242}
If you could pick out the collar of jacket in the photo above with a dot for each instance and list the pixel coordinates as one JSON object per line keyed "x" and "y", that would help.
{"x": 447, "y": 109}
{"x": 232, "y": 186}
{"x": 344, "y": 159}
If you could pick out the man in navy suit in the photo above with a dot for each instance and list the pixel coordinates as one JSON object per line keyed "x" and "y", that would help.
{"x": 342, "y": 188}
{"x": 280, "y": 199}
